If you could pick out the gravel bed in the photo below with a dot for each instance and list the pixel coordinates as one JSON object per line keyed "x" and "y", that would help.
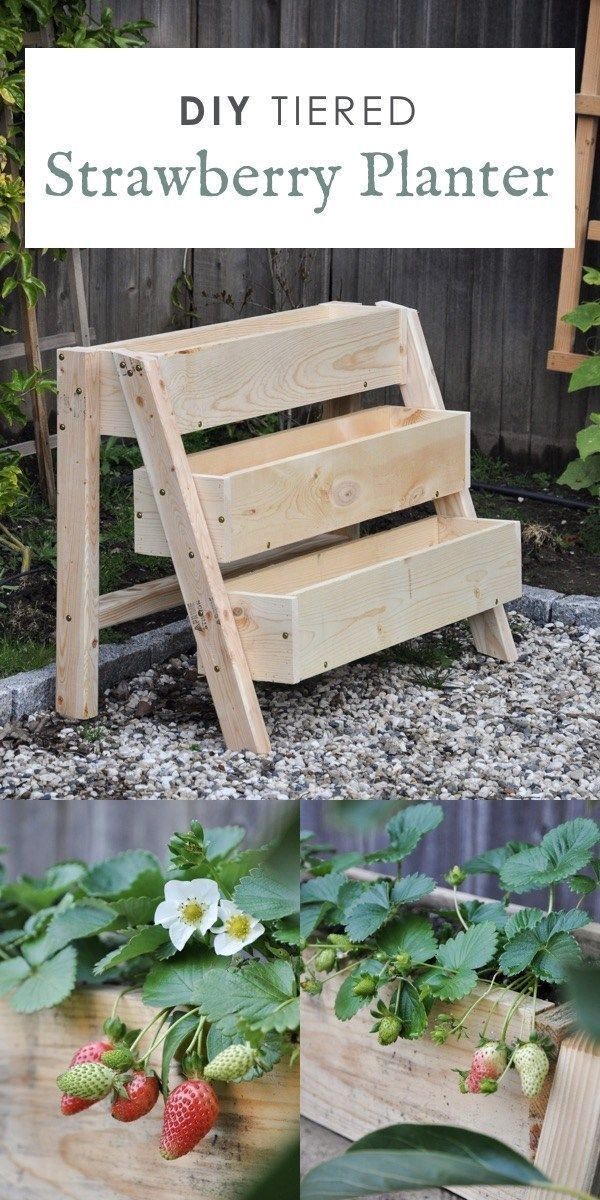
{"x": 372, "y": 729}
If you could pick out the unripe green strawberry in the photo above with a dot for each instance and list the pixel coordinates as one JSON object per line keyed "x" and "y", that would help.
{"x": 120, "y": 1059}
{"x": 232, "y": 1063}
{"x": 87, "y": 1081}
{"x": 532, "y": 1064}
{"x": 455, "y": 877}
{"x": 403, "y": 962}
{"x": 341, "y": 940}
{"x": 389, "y": 1029}
{"x": 325, "y": 960}
{"x": 366, "y": 985}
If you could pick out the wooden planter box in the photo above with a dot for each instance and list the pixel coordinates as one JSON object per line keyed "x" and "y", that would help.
{"x": 46, "y": 1156}
{"x": 301, "y": 617}
{"x": 272, "y": 491}
{"x": 352, "y": 1085}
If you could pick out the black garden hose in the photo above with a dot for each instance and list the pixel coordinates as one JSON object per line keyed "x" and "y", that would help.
{"x": 504, "y": 489}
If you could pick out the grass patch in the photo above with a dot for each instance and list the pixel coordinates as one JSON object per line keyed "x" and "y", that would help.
{"x": 23, "y": 656}
{"x": 429, "y": 661}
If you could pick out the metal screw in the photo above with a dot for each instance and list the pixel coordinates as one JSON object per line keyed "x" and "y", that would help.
{"x": 365, "y": 384}
{"x": 221, "y": 520}
{"x": 190, "y": 554}
{"x": 285, "y": 636}
{"x": 217, "y": 668}
{"x": 199, "y": 424}
{"x": 62, "y": 427}
{"x": 162, "y": 492}
{"x": 138, "y": 366}
{"x": 138, "y": 514}
{"x": 268, "y": 545}
{"x": 123, "y": 365}
{"x": 324, "y": 664}
{"x": 77, "y": 391}
{"x": 496, "y": 600}
{"x": 130, "y": 372}
{"x": 68, "y": 618}
{"x": 437, "y": 494}
{"x": 61, "y": 357}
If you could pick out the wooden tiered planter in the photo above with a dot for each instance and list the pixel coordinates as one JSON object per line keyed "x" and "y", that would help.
{"x": 352, "y": 1085}
{"x": 46, "y": 1156}
{"x": 309, "y": 595}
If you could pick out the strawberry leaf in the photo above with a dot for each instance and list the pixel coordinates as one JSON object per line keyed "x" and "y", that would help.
{"x": 411, "y": 934}
{"x": 561, "y": 853}
{"x": 369, "y": 911}
{"x": 48, "y": 984}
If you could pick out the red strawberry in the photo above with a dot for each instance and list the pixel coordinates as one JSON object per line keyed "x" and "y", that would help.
{"x": 190, "y": 1112}
{"x": 91, "y": 1052}
{"x": 142, "y": 1093}
{"x": 488, "y": 1063}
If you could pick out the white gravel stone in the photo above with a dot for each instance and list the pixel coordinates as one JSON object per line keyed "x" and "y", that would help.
{"x": 372, "y": 729}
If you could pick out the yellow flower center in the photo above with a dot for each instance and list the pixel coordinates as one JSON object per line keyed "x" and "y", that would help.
{"x": 192, "y": 912}
{"x": 238, "y": 926}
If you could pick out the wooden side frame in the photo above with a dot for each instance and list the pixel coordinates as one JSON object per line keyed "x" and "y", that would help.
{"x": 206, "y": 599}
{"x": 490, "y": 630}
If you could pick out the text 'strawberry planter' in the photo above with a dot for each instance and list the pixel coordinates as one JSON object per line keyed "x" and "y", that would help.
{"x": 90, "y": 1156}
{"x": 352, "y": 1085}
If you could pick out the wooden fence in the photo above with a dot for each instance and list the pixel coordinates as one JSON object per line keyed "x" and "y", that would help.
{"x": 469, "y": 827}
{"x": 488, "y": 314}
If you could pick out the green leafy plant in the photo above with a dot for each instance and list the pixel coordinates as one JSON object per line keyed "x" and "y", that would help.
{"x": 583, "y": 474}
{"x": 69, "y": 24}
{"x": 408, "y": 964}
{"x": 411, "y": 1157}
{"x": 212, "y": 944}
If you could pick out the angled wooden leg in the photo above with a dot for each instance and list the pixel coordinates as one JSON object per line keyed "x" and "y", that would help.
{"x": 219, "y": 646}
{"x": 78, "y": 479}
{"x": 491, "y": 631}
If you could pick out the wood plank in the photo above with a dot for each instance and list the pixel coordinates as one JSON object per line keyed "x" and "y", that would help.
{"x": 78, "y": 298}
{"x": 490, "y": 630}
{"x": 267, "y": 372}
{"x": 585, "y": 153}
{"x": 92, "y": 1157}
{"x": 25, "y": 449}
{"x": 367, "y": 595}
{"x": 78, "y": 529}
{"x": 594, "y": 231}
{"x": 569, "y": 1144}
{"x": 560, "y": 360}
{"x": 587, "y": 106}
{"x": 53, "y": 341}
{"x": 207, "y": 602}
{"x": 156, "y": 595}
{"x": 409, "y": 1081}
{"x": 311, "y": 479}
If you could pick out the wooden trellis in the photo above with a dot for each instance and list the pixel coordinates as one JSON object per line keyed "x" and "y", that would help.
{"x": 587, "y": 106}
{"x": 260, "y": 532}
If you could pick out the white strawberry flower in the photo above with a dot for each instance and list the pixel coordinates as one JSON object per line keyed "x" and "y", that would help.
{"x": 188, "y": 908}
{"x": 238, "y": 929}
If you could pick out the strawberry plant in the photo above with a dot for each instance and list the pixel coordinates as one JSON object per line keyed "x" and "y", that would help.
{"x": 212, "y": 945}
{"x": 389, "y": 953}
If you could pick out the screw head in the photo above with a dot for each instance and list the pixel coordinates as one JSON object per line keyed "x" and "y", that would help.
{"x": 61, "y": 357}
{"x": 221, "y": 520}
{"x": 190, "y": 553}
{"x": 62, "y": 427}
{"x": 68, "y": 618}
{"x": 324, "y": 664}
{"x": 138, "y": 366}
{"x": 130, "y": 372}
{"x": 123, "y": 365}
{"x": 285, "y": 636}
{"x": 162, "y": 492}
{"x": 138, "y": 514}
{"x": 199, "y": 424}
{"x": 365, "y": 384}
{"x": 217, "y": 669}
{"x": 78, "y": 391}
